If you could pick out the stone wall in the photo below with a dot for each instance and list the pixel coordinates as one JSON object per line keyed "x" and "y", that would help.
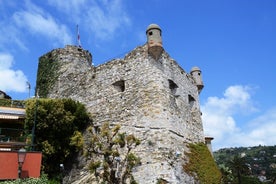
{"x": 156, "y": 100}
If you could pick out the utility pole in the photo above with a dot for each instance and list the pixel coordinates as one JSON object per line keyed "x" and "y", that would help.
{"x": 35, "y": 117}
{"x": 29, "y": 87}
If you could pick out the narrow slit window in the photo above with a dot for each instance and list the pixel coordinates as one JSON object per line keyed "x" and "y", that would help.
{"x": 173, "y": 87}
{"x": 191, "y": 101}
{"x": 119, "y": 86}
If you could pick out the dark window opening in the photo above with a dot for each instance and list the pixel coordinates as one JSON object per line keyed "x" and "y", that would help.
{"x": 119, "y": 86}
{"x": 191, "y": 101}
{"x": 150, "y": 33}
{"x": 173, "y": 87}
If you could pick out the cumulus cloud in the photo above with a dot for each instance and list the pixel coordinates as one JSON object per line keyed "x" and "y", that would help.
{"x": 11, "y": 80}
{"x": 219, "y": 120}
{"x": 262, "y": 129}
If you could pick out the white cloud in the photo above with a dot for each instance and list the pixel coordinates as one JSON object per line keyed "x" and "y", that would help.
{"x": 219, "y": 120}
{"x": 103, "y": 18}
{"x": 24, "y": 20}
{"x": 11, "y": 80}
{"x": 36, "y": 21}
{"x": 72, "y": 7}
{"x": 263, "y": 128}
{"x": 106, "y": 19}
{"x": 10, "y": 36}
{"x": 236, "y": 99}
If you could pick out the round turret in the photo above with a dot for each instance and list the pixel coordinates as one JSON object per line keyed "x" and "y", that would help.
{"x": 154, "y": 40}
{"x": 154, "y": 35}
{"x": 196, "y": 74}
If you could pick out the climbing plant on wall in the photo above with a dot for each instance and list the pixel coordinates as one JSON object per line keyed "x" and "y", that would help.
{"x": 46, "y": 74}
{"x": 110, "y": 154}
{"x": 202, "y": 165}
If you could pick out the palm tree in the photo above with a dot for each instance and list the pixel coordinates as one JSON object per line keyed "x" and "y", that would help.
{"x": 238, "y": 167}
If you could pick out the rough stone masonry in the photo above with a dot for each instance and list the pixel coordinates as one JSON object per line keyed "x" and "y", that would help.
{"x": 146, "y": 92}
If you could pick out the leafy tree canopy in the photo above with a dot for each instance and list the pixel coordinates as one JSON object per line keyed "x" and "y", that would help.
{"x": 57, "y": 122}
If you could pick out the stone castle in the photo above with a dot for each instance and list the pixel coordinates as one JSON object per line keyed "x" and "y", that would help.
{"x": 146, "y": 92}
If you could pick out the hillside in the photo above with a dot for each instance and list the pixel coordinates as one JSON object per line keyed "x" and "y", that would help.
{"x": 261, "y": 160}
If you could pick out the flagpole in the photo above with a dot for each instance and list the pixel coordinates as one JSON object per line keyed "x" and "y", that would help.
{"x": 78, "y": 37}
{"x": 77, "y": 33}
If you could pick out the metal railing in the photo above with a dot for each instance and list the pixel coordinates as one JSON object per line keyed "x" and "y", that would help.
{"x": 13, "y": 135}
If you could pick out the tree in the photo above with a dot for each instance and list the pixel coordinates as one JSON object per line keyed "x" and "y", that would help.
{"x": 110, "y": 154}
{"x": 239, "y": 167}
{"x": 226, "y": 173}
{"x": 57, "y": 122}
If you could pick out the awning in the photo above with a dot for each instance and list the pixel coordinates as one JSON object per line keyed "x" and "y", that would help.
{"x": 4, "y": 116}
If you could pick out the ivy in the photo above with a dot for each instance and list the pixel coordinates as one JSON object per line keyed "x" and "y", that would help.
{"x": 47, "y": 74}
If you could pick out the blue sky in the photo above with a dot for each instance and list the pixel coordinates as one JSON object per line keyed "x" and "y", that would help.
{"x": 232, "y": 41}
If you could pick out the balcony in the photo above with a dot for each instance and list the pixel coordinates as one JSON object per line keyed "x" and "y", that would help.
{"x": 12, "y": 135}
{"x": 12, "y": 139}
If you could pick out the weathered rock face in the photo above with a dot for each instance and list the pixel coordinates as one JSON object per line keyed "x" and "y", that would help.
{"x": 156, "y": 100}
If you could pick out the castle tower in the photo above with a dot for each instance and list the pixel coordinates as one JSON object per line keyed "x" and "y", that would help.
{"x": 157, "y": 102}
{"x": 61, "y": 66}
{"x": 154, "y": 41}
{"x": 196, "y": 74}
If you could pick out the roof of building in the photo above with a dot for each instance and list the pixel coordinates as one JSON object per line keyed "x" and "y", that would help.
{"x": 195, "y": 68}
{"x": 4, "y": 95}
{"x": 153, "y": 26}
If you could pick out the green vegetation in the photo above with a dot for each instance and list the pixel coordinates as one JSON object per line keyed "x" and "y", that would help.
{"x": 11, "y": 103}
{"x": 238, "y": 167}
{"x": 57, "y": 133}
{"x": 47, "y": 74}
{"x": 42, "y": 180}
{"x": 202, "y": 165}
{"x": 110, "y": 154}
{"x": 261, "y": 161}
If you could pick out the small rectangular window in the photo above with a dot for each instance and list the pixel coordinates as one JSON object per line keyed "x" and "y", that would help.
{"x": 119, "y": 85}
{"x": 191, "y": 101}
{"x": 173, "y": 87}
